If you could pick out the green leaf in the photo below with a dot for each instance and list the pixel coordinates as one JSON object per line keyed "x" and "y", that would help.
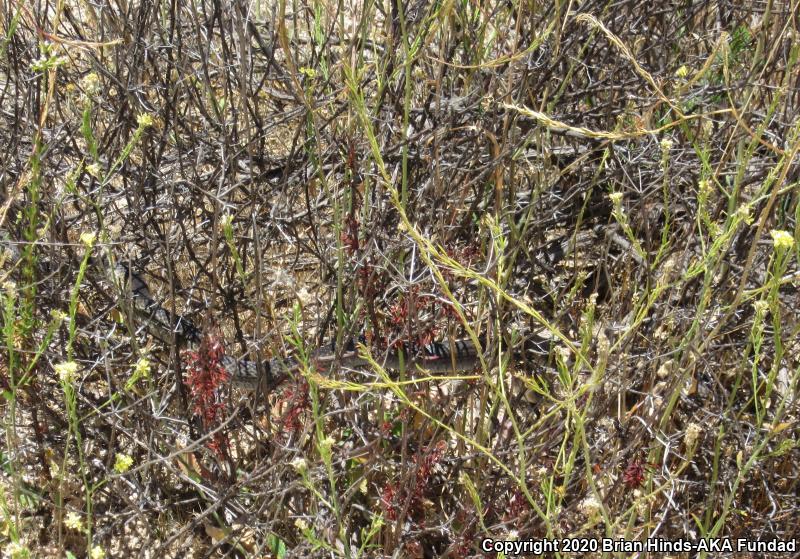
{"x": 277, "y": 546}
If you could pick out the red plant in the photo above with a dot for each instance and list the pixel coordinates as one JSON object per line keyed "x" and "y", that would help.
{"x": 350, "y": 235}
{"x": 392, "y": 495}
{"x": 365, "y": 280}
{"x": 389, "y": 500}
{"x": 426, "y": 462}
{"x": 427, "y": 336}
{"x": 297, "y": 399}
{"x": 398, "y": 313}
{"x": 634, "y": 474}
{"x": 516, "y": 506}
{"x": 205, "y": 375}
{"x": 464, "y": 544}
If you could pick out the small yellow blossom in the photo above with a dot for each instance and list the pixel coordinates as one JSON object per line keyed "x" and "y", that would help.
{"x": 299, "y": 464}
{"x": 97, "y": 553}
{"x": 310, "y": 72}
{"x": 73, "y": 521}
{"x": 743, "y": 212}
{"x": 693, "y": 431}
{"x": 67, "y": 371}
{"x": 94, "y": 170}
{"x": 783, "y": 239}
{"x": 328, "y": 442}
{"x": 615, "y": 197}
{"x": 142, "y": 367}
{"x": 10, "y": 288}
{"x": 144, "y": 120}
{"x": 682, "y": 72}
{"x": 122, "y": 463}
{"x": 58, "y": 315}
{"x": 91, "y": 83}
{"x": 666, "y": 144}
{"x": 301, "y": 524}
{"x": 16, "y": 550}
{"x": 88, "y": 238}
{"x": 760, "y": 307}
{"x": 564, "y": 353}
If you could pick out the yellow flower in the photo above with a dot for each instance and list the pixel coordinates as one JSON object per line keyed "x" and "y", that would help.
{"x": 761, "y": 307}
{"x": 328, "y": 442}
{"x": 783, "y": 239}
{"x": 73, "y": 521}
{"x": 144, "y": 120}
{"x": 88, "y": 238}
{"x": 97, "y": 553}
{"x": 91, "y": 83}
{"x": 10, "y": 288}
{"x": 563, "y": 352}
{"x": 682, "y": 72}
{"x": 666, "y": 144}
{"x": 67, "y": 371}
{"x": 615, "y": 197}
{"x": 122, "y": 463}
{"x": 58, "y": 315}
{"x": 299, "y": 464}
{"x": 142, "y": 368}
{"x": 743, "y": 212}
{"x": 693, "y": 432}
{"x": 94, "y": 170}
{"x": 16, "y": 550}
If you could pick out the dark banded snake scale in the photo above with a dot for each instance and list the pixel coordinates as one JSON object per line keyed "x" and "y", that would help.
{"x": 435, "y": 357}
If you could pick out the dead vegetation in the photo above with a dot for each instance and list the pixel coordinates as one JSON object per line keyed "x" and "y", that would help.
{"x": 605, "y": 198}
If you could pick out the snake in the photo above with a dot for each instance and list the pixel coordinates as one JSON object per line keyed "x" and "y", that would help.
{"x": 456, "y": 356}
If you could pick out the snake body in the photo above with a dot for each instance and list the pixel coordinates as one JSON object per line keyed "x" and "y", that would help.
{"x": 435, "y": 357}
